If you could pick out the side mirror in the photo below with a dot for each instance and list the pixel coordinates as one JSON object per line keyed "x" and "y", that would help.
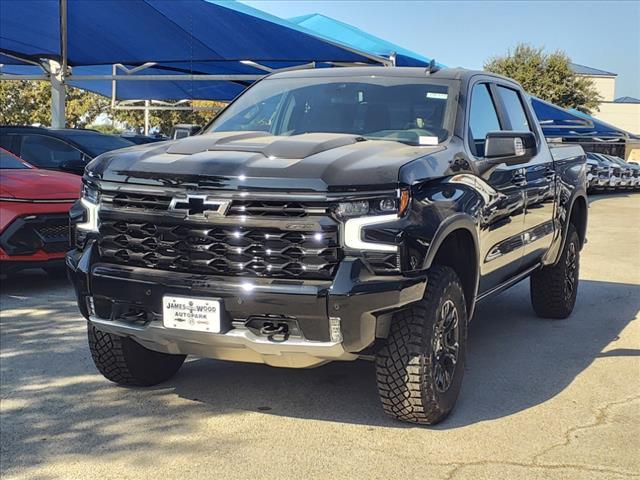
{"x": 510, "y": 148}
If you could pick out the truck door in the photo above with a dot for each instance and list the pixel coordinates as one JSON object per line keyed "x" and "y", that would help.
{"x": 539, "y": 177}
{"x": 502, "y": 217}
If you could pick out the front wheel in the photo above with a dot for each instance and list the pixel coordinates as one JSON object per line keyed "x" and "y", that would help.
{"x": 419, "y": 370}
{"x": 554, "y": 289}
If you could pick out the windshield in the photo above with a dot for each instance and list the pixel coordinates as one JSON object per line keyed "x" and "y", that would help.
{"x": 10, "y": 161}
{"x": 97, "y": 143}
{"x": 411, "y": 110}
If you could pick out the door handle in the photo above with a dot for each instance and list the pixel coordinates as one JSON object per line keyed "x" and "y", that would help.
{"x": 549, "y": 173}
{"x": 519, "y": 179}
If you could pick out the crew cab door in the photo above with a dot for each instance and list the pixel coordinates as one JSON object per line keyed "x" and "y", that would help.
{"x": 502, "y": 215}
{"x": 539, "y": 178}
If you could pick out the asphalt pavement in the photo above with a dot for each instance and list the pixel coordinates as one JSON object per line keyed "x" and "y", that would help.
{"x": 541, "y": 399}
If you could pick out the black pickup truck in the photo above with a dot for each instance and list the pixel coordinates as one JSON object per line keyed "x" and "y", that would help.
{"x": 330, "y": 214}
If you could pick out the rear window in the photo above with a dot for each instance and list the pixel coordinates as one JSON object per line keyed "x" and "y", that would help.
{"x": 515, "y": 109}
{"x": 96, "y": 144}
{"x": 9, "y": 161}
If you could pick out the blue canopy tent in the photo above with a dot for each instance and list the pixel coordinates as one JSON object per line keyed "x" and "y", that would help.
{"x": 558, "y": 122}
{"x": 343, "y": 33}
{"x": 602, "y": 129}
{"x": 189, "y": 41}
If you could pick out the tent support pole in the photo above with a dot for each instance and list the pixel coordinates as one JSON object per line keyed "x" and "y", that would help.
{"x": 58, "y": 73}
{"x": 146, "y": 117}
{"x": 58, "y": 95}
{"x": 113, "y": 86}
{"x": 63, "y": 35}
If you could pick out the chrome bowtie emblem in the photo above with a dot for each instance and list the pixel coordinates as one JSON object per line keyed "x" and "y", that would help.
{"x": 199, "y": 206}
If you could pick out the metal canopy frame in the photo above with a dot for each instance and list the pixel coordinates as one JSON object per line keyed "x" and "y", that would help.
{"x": 59, "y": 73}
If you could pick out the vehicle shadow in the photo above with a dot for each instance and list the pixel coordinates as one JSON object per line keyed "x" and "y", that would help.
{"x": 55, "y": 403}
{"x": 515, "y": 361}
{"x": 33, "y": 281}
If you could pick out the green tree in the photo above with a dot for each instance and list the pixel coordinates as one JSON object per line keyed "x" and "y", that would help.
{"x": 163, "y": 120}
{"x": 547, "y": 76}
{"x": 25, "y": 102}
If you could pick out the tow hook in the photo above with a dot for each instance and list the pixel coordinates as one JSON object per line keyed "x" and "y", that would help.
{"x": 271, "y": 329}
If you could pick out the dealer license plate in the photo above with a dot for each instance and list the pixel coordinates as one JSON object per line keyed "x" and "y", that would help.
{"x": 187, "y": 313}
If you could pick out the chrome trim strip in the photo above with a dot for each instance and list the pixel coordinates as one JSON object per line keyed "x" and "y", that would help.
{"x": 115, "y": 187}
{"x": 239, "y": 344}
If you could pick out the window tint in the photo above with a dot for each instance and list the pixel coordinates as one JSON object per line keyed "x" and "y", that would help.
{"x": 409, "y": 110}
{"x": 515, "y": 110}
{"x": 6, "y": 141}
{"x": 48, "y": 152}
{"x": 257, "y": 117}
{"x": 482, "y": 118}
{"x": 10, "y": 161}
{"x": 97, "y": 143}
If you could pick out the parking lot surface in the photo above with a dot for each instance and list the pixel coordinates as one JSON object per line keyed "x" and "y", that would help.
{"x": 541, "y": 399}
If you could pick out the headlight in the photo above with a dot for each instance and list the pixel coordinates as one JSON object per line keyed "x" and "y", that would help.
{"x": 368, "y": 213}
{"x": 376, "y": 206}
{"x": 91, "y": 202}
{"x": 352, "y": 209}
{"x": 90, "y": 193}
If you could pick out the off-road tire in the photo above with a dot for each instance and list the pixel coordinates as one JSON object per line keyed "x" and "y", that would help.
{"x": 551, "y": 294}
{"x": 126, "y": 362}
{"x": 406, "y": 364}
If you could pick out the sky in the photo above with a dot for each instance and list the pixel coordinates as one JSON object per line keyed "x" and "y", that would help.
{"x": 599, "y": 34}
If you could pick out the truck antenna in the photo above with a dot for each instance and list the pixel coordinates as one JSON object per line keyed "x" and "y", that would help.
{"x": 433, "y": 67}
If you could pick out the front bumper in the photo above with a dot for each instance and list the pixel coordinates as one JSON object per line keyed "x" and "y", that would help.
{"x": 614, "y": 182}
{"x": 362, "y": 303}
{"x": 601, "y": 181}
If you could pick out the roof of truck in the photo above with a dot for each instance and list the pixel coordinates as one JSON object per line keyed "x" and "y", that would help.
{"x": 407, "y": 72}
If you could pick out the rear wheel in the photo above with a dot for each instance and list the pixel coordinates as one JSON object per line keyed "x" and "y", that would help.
{"x": 554, "y": 289}
{"x": 124, "y": 361}
{"x": 419, "y": 370}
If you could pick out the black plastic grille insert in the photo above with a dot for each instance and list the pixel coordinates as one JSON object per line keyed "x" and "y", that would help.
{"x": 219, "y": 249}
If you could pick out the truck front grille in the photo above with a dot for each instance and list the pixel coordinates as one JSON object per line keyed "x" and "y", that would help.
{"x": 220, "y": 249}
{"x": 139, "y": 201}
{"x": 136, "y": 202}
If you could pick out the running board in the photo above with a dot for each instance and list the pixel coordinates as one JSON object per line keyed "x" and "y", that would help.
{"x": 509, "y": 283}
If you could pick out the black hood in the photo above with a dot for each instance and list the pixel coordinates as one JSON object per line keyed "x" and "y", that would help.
{"x": 257, "y": 160}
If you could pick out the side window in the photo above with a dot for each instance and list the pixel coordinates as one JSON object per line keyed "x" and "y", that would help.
{"x": 7, "y": 141}
{"x": 48, "y": 152}
{"x": 513, "y": 105}
{"x": 482, "y": 118}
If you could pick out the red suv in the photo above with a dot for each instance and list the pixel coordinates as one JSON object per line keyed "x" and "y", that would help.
{"x": 34, "y": 206}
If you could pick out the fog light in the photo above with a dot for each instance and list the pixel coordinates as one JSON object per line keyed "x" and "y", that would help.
{"x": 334, "y": 329}
{"x": 388, "y": 205}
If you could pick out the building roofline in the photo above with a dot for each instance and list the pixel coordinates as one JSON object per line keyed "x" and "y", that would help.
{"x": 579, "y": 69}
